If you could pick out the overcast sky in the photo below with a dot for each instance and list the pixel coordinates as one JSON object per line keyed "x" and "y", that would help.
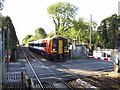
{"x": 27, "y": 15}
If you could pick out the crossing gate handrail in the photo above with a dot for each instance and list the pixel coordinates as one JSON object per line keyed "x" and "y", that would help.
{"x": 14, "y": 76}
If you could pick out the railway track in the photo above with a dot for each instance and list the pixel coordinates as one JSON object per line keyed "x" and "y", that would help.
{"x": 47, "y": 80}
{"x": 53, "y": 75}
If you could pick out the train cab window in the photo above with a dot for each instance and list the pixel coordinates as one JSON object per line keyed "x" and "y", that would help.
{"x": 54, "y": 43}
{"x": 65, "y": 44}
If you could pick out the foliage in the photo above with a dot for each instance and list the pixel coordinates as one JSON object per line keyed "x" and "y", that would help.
{"x": 96, "y": 40}
{"x": 62, "y": 14}
{"x": 80, "y": 32}
{"x": 70, "y": 34}
{"x": 40, "y": 34}
{"x": 27, "y": 39}
{"x": 9, "y": 31}
{"x": 50, "y": 34}
{"x": 108, "y": 30}
{"x": 81, "y": 28}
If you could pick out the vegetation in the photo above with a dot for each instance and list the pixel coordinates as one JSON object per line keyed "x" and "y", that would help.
{"x": 27, "y": 39}
{"x": 10, "y": 37}
{"x": 62, "y": 14}
{"x": 50, "y": 34}
{"x": 108, "y": 31}
{"x": 39, "y": 34}
{"x": 79, "y": 31}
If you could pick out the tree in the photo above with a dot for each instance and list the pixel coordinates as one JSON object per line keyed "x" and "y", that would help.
{"x": 25, "y": 41}
{"x": 81, "y": 28}
{"x": 10, "y": 38}
{"x": 40, "y": 33}
{"x": 50, "y": 34}
{"x": 62, "y": 14}
{"x": 108, "y": 30}
{"x": 96, "y": 40}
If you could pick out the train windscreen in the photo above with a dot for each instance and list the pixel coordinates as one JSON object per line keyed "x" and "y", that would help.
{"x": 65, "y": 44}
{"x": 54, "y": 43}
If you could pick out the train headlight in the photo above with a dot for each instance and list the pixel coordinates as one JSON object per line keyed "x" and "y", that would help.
{"x": 54, "y": 50}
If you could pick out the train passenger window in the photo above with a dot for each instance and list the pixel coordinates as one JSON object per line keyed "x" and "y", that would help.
{"x": 54, "y": 43}
{"x": 36, "y": 44}
{"x": 39, "y": 45}
{"x": 43, "y": 44}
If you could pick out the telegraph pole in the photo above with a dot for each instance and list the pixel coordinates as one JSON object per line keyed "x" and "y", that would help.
{"x": 90, "y": 33}
{"x": 90, "y": 30}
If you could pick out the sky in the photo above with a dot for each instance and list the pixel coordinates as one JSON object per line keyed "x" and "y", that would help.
{"x": 28, "y": 15}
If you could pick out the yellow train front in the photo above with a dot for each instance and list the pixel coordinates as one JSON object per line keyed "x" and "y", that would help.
{"x": 58, "y": 47}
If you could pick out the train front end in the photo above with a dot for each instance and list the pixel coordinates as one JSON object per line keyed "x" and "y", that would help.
{"x": 59, "y": 48}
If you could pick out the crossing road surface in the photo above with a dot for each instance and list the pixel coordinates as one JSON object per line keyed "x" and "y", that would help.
{"x": 89, "y": 66}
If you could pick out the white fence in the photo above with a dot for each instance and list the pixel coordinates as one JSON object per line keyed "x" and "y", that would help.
{"x": 14, "y": 76}
{"x": 14, "y": 73}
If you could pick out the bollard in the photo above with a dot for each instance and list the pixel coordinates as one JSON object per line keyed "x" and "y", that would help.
{"x": 115, "y": 67}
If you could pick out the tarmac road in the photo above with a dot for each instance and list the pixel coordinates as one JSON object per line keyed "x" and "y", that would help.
{"x": 88, "y": 66}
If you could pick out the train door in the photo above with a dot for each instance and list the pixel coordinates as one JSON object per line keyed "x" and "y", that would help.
{"x": 60, "y": 46}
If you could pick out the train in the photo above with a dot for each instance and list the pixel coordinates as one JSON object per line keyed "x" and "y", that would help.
{"x": 54, "y": 48}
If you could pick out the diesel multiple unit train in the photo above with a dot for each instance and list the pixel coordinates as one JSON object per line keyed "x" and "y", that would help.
{"x": 54, "y": 48}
